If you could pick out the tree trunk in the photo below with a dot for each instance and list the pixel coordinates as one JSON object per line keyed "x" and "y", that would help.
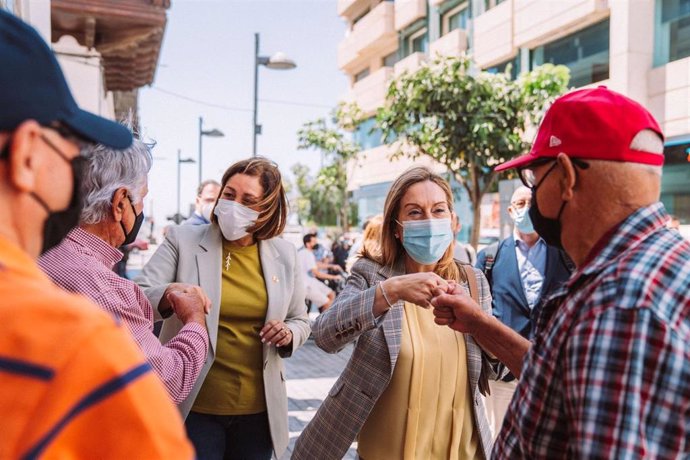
{"x": 476, "y": 198}
{"x": 345, "y": 212}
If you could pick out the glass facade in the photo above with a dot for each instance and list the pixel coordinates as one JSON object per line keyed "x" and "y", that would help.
{"x": 456, "y": 17}
{"x": 671, "y": 31}
{"x": 501, "y": 68}
{"x": 415, "y": 39}
{"x": 362, "y": 75}
{"x": 391, "y": 59}
{"x": 585, "y": 53}
{"x": 366, "y": 135}
{"x": 675, "y": 182}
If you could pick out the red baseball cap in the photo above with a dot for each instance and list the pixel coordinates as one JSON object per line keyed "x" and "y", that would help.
{"x": 595, "y": 124}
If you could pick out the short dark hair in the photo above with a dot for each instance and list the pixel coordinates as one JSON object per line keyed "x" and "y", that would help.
{"x": 307, "y": 238}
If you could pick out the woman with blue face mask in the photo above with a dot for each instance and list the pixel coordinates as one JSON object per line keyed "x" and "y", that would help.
{"x": 411, "y": 389}
{"x": 238, "y": 406}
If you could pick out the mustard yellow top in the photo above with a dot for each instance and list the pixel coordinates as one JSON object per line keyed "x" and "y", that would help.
{"x": 426, "y": 410}
{"x": 235, "y": 385}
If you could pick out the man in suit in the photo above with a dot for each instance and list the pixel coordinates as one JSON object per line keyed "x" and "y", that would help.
{"x": 521, "y": 270}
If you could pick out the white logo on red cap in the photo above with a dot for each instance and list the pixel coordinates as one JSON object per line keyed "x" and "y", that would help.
{"x": 554, "y": 141}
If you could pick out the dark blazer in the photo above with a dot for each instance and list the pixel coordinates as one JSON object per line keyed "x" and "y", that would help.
{"x": 509, "y": 301}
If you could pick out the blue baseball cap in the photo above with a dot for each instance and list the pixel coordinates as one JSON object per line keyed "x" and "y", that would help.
{"x": 32, "y": 87}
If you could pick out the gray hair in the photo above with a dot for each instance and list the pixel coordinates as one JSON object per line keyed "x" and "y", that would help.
{"x": 108, "y": 170}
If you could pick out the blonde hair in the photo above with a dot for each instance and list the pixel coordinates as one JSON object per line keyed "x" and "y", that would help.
{"x": 272, "y": 219}
{"x": 391, "y": 248}
{"x": 371, "y": 240}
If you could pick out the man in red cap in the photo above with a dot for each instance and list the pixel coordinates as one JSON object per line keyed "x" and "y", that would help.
{"x": 608, "y": 372}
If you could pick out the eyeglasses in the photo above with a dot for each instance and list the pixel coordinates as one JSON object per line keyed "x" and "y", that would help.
{"x": 528, "y": 177}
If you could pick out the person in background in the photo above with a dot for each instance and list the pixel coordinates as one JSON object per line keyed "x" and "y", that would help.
{"x": 607, "y": 374}
{"x": 462, "y": 252}
{"x": 238, "y": 407}
{"x": 521, "y": 270}
{"x": 341, "y": 250}
{"x": 315, "y": 291}
{"x": 673, "y": 223}
{"x": 206, "y": 196}
{"x": 113, "y": 188}
{"x": 74, "y": 384}
{"x": 410, "y": 389}
{"x": 356, "y": 247}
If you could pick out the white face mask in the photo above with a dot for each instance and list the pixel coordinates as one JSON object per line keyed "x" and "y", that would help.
{"x": 234, "y": 219}
{"x": 206, "y": 209}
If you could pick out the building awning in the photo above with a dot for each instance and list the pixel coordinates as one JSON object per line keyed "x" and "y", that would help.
{"x": 127, "y": 33}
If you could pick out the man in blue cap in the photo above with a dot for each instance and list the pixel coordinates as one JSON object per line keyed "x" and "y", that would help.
{"x": 73, "y": 382}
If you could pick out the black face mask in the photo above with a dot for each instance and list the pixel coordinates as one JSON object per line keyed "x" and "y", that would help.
{"x": 547, "y": 228}
{"x": 60, "y": 223}
{"x": 138, "y": 220}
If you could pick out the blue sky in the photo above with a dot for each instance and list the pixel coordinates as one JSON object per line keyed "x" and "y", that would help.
{"x": 208, "y": 56}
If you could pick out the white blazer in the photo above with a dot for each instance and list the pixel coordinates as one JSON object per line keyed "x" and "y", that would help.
{"x": 193, "y": 254}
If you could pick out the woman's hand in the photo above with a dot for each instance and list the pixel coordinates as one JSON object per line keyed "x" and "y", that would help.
{"x": 416, "y": 288}
{"x": 276, "y": 333}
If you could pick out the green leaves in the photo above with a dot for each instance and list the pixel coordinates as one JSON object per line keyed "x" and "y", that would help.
{"x": 328, "y": 195}
{"x": 466, "y": 119}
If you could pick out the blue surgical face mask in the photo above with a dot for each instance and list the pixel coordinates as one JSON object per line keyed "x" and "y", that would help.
{"x": 427, "y": 240}
{"x": 522, "y": 220}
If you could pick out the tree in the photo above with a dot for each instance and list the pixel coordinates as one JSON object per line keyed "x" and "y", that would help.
{"x": 337, "y": 150}
{"x": 467, "y": 120}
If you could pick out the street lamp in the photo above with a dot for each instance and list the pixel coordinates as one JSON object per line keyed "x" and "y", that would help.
{"x": 210, "y": 133}
{"x": 279, "y": 61}
{"x": 179, "y": 163}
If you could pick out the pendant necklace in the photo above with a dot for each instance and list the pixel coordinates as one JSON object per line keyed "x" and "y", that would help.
{"x": 228, "y": 259}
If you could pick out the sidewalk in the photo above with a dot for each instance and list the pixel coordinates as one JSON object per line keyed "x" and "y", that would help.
{"x": 311, "y": 373}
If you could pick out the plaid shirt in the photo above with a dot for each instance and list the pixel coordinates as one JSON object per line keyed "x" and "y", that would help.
{"x": 608, "y": 375}
{"x": 82, "y": 263}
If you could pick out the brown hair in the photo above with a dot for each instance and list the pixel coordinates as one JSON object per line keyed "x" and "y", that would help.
{"x": 391, "y": 247}
{"x": 371, "y": 240}
{"x": 272, "y": 219}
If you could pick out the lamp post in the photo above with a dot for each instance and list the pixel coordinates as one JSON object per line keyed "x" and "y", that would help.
{"x": 210, "y": 133}
{"x": 179, "y": 163}
{"x": 279, "y": 61}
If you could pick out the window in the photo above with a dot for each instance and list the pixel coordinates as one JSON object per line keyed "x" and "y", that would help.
{"x": 672, "y": 31}
{"x": 501, "y": 68}
{"x": 414, "y": 39}
{"x": 488, "y": 4}
{"x": 585, "y": 53}
{"x": 391, "y": 59}
{"x": 366, "y": 135}
{"x": 360, "y": 17}
{"x": 455, "y": 18}
{"x": 361, "y": 75}
{"x": 418, "y": 42}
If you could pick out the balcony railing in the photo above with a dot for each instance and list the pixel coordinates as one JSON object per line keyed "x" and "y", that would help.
{"x": 454, "y": 43}
{"x": 410, "y": 63}
{"x": 535, "y": 22}
{"x": 408, "y": 11}
{"x": 374, "y": 33}
{"x": 370, "y": 92}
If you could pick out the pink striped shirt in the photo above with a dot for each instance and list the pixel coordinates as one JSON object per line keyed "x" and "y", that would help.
{"x": 82, "y": 263}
